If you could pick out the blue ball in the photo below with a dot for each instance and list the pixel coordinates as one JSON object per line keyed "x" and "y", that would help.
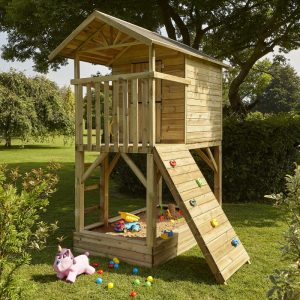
{"x": 135, "y": 270}
{"x": 99, "y": 280}
{"x": 116, "y": 266}
{"x": 111, "y": 262}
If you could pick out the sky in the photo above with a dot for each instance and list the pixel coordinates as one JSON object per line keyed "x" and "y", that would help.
{"x": 63, "y": 76}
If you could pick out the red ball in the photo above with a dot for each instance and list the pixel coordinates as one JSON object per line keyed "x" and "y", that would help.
{"x": 111, "y": 266}
{"x": 100, "y": 272}
{"x": 95, "y": 265}
{"x": 132, "y": 294}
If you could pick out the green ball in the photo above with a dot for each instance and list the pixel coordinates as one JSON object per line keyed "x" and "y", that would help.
{"x": 136, "y": 282}
{"x": 148, "y": 283}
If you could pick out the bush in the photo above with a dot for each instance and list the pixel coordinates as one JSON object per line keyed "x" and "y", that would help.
{"x": 257, "y": 153}
{"x": 286, "y": 281}
{"x": 21, "y": 227}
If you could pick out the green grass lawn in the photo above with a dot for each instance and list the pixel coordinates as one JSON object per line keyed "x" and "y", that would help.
{"x": 259, "y": 226}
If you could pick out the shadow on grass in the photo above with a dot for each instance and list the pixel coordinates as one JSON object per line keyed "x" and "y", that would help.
{"x": 22, "y": 147}
{"x": 45, "y": 278}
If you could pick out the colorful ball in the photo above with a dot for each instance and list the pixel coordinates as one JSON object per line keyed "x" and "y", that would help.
{"x": 111, "y": 262}
{"x": 100, "y": 272}
{"x": 135, "y": 270}
{"x": 110, "y": 285}
{"x": 150, "y": 278}
{"x": 116, "y": 266}
{"x": 132, "y": 294}
{"x": 148, "y": 283}
{"x": 95, "y": 265}
{"x": 99, "y": 280}
{"x": 136, "y": 282}
{"x": 116, "y": 260}
{"x": 111, "y": 266}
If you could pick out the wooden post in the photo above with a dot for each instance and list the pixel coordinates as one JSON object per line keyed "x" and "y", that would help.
{"x": 218, "y": 173}
{"x": 151, "y": 97}
{"x": 104, "y": 184}
{"x": 151, "y": 200}
{"x": 160, "y": 191}
{"x": 79, "y": 155}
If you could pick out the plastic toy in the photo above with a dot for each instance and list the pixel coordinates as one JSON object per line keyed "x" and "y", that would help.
{"x": 214, "y": 223}
{"x": 173, "y": 163}
{"x": 100, "y": 272}
{"x": 116, "y": 266}
{"x": 132, "y": 294}
{"x": 150, "y": 278}
{"x": 133, "y": 226}
{"x": 161, "y": 218}
{"x": 110, "y": 285}
{"x": 111, "y": 262}
{"x": 99, "y": 280}
{"x": 199, "y": 182}
{"x": 169, "y": 233}
{"x": 94, "y": 264}
{"x": 128, "y": 217}
{"x": 148, "y": 283}
{"x": 136, "y": 282}
{"x": 111, "y": 266}
{"x": 116, "y": 260}
{"x": 119, "y": 226}
{"x": 193, "y": 202}
{"x": 69, "y": 267}
{"x": 235, "y": 242}
{"x": 135, "y": 270}
{"x": 164, "y": 236}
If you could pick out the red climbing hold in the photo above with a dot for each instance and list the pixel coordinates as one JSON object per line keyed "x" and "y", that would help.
{"x": 173, "y": 163}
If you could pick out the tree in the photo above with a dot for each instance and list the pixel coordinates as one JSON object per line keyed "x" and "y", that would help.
{"x": 283, "y": 92}
{"x": 68, "y": 100}
{"x": 240, "y": 32}
{"x": 31, "y": 108}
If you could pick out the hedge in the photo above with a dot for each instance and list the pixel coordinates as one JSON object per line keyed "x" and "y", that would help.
{"x": 257, "y": 154}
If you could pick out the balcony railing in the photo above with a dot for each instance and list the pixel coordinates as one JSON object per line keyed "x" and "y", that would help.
{"x": 117, "y": 110}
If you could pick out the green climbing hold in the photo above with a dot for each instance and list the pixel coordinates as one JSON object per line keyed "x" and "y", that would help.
{"x": 193, "y": 202}
{"x": 200, "y": 182}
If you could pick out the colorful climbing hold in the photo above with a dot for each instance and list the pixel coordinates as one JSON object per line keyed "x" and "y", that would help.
{"x": 214, "y": 223}
{"x": 193, "y": 202}
{"x": 199, "y": 181}
{"x": 235, "y": 242}
{"x": 173, "y": 163}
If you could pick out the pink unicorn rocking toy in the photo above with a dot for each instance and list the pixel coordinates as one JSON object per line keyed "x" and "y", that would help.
{"x": 69, "y": 267}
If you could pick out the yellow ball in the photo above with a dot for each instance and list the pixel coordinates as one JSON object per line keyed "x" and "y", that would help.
{"x": 116, "y": 260}
{"x": 150, "y": 278}
{"x": 110, "y": 285}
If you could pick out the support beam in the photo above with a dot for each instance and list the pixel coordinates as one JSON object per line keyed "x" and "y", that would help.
{"x": 212, "y": 159}
{"x": 114, "y": 162}
{"x": 118, "y": 56}
{"x": 79, "y": 191}
{"x": 104, "y": 182}
{"x": 135, "y": 169}
{"x": 92, "y": 167}
{"x": 218, "y": 175}
{"x": 151, "y": 201}
{"x": 205, "y": 158}
{"x": 151, "y": 97}
{"x": 115, "y": 46}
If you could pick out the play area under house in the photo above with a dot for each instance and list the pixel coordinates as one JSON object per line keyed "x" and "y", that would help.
{"x": 162, "y": 100}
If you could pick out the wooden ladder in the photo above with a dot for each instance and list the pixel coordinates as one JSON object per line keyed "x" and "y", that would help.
{"x": 200, "y": 207}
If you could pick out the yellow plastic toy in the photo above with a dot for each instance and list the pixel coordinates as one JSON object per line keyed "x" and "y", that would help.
{"x": 116, "y": 260}
{"x": 110, "y": 285}
{"x": 150, "y": 278}
{"x": 128, "y": 217}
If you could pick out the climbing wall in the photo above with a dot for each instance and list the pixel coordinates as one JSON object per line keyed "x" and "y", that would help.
{"x": 214, "y": 234}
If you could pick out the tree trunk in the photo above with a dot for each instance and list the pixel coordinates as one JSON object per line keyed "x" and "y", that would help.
{"x": 8, "y": 142}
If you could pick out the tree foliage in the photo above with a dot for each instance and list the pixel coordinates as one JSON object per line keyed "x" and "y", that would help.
{"x": 31, "y": 108}
{"x": 21, "y": 227}
{"x": 240, "y": 32}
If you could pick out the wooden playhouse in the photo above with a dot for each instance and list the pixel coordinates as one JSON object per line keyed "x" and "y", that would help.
{"x": 162, "y": 100}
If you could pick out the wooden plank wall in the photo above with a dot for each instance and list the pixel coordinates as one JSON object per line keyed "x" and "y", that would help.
{"x": 170, "y": 114}
{"x": 204, "y": 101}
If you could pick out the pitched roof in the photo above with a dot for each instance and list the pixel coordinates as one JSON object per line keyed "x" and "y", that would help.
{"x": 94, "y": 22}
